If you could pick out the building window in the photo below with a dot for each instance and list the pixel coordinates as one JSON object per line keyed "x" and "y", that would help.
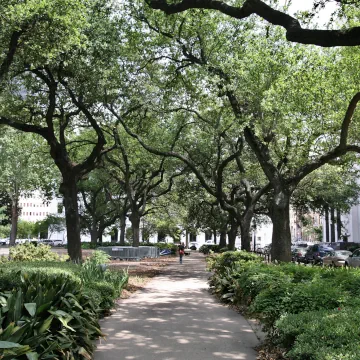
{"x": 30, "y": 213}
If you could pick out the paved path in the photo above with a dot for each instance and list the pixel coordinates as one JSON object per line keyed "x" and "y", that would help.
{"x": 175, "y": 318}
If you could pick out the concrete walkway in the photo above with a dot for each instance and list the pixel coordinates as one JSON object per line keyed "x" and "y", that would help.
{"x": 175, "y": 318}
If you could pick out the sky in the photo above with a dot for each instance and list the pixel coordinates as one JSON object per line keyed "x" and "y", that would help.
{"x": 324, "y": 14}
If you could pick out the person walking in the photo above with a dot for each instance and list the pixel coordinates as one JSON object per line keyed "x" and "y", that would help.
{"x": 181, "y": 251}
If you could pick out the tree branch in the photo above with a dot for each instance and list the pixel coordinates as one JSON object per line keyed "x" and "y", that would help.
{"x": 294, "y": 31}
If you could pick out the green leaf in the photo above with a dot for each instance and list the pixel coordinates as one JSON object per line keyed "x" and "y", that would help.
{"x": 46, "y": 324}
{"x": 31, "y": 308}
{"x": 84, "y": 353}
{"x": 32, "y": 356}
{"x": 9, "y": 345}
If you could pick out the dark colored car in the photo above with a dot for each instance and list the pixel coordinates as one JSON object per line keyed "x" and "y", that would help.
{"x": 315, "y": 253}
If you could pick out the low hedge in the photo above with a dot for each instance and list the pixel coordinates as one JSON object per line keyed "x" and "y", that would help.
{"x": 310, "y": 312}
{"x": 208, "y": 249}
{"x": 321, "y": 335}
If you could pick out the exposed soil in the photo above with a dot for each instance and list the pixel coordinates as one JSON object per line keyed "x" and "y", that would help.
{"x": 141, "y": 272}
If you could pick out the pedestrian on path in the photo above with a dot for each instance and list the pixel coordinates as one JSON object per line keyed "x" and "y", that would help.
{"x": 181, "y": 251}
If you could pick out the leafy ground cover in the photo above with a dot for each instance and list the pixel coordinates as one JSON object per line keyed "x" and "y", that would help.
{"x": 310, "y": 313}
{"x": 50, "y": 309}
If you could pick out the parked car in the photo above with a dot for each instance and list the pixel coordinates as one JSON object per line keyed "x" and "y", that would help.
{"x": 193, "y": 245}
{"x": 298, "y": 254}
{"x": 315, "y": 253}
{"x": 336, "y": 258}
{"x": 57, "y": 243}
{"x": 51, "y": 242}
{"x": 354, "y": 259}
{"x": 303, "y": 244}
{"x": 209, "y": 242}
{"x": 4, "y": 241}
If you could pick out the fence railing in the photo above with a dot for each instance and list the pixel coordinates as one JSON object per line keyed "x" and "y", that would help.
{"x": 131, "y": 253}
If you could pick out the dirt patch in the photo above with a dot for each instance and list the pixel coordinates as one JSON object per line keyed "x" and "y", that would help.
{"x": 141, "y": 272}
{"x": 268, "y": 352}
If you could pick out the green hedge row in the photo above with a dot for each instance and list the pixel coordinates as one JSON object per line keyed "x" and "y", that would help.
{"x": 50, "y": 310}
{"x": 310, "y": 312}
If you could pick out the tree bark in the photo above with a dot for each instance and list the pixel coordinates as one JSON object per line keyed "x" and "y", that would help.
{"x": 100, "y": 236}
{"x": 338, "y": 224}
{"x": 187, "y": 238}
{"x": 122, "y": 229}
{"x": 222, "y": 242}
{"x": 294, "y": 31}
{"x": 245, "y": 227}
{"x": 69, "y": 191}
{"x": 14, "y": 220}
{"x": 281, "y": 236}
{"x": 232, "y": 233}
{"x": 332, "y": 211}
{"x": 94, "y": 233}
{"x": 215, "y": 235}
{"x": 115, "y": 237}
{"x": 135, "y": 225}
{"x": 327, "y": 236}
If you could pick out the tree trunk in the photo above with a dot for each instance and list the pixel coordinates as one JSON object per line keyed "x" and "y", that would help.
{"x": 122, "y": 229}
{"x": 281, "y": 236}
{"x": 14, "y": 220}
{"x": 245, "y": 227}
{"x": 100, "y": 236}
{"x": 332, "y": 211}
{"x": 222, "y": 242}
{"x": 338, "y": 224}
{"x": 101, "y": 231}
{"x": 114, "y": 238}
{"x": 186, "y": 238}
{"x": 232, "y": 234}
{"x": 94, "y": 233}
{"x": 135, "y": 225}
{"x": 327, "y": 237}
{"x": 69, "y": 191}
{"x": 215, "y": 235}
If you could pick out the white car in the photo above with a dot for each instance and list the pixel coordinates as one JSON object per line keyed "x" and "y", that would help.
{"x": 4, "y": 241}
{"x": 336, "y": 258}
{"x": 209, "y": 242}
{"x": 354, "y": 259}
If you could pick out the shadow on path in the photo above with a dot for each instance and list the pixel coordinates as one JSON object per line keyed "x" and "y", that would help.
{"x": 175, "y": 318}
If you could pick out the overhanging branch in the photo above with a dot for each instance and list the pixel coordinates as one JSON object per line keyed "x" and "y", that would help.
{"x": 294, "y": 31}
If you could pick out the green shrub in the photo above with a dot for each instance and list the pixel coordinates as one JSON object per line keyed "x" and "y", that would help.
{"x": 108, "y": 283}
{"x": 88, "y": 245}
{"x": 208, "y": 249}
{"x": 163, "y": 246}
{"x": 255, "y": 278}
{"x": 219, "y": 262}
{"x": 48, "y": 318}
{"x": 320, "y": 335}
{"x": 118, "y": 279}
{"x": 106, "y": 291}
{"x": 271, "y": 302}
{"x": 10, "y": 273}
{"x": 30, "y": 252}
{"x": 311, "y": 312}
